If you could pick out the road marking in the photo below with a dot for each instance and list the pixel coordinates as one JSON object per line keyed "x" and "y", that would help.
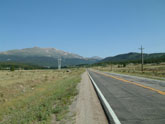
{"x": 115, "y": 118}
{"x": 131, "y": 82}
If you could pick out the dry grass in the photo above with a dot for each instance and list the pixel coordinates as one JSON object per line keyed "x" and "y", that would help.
{"x": 29, "y": 96}
{"x": 155, "y": 71}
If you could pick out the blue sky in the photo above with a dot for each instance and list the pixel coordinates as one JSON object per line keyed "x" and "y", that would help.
{"x": 86, "y": 27}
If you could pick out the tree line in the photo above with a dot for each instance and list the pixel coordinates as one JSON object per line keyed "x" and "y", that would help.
{"x": 18, "y": 66}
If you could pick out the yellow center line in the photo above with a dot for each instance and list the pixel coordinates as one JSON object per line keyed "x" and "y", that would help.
{"x": 131, "y": 82}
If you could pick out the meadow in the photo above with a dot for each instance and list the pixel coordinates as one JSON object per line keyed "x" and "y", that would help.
{"x": 155, "y": 71}
{"x": 32, "y": 96}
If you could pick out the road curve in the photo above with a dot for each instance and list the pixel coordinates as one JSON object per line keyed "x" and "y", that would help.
{"x": 131, "y": 103}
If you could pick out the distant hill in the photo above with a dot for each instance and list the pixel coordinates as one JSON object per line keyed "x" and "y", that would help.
{"x": 41, "y": 52}
{"x": 132, "y": 56}
{"x": 45, "y": 57}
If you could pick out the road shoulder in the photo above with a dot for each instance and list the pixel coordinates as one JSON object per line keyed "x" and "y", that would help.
{"x": 88, "y": 107}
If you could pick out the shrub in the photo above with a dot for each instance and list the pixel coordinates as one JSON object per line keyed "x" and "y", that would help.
{"x": 12, "y": 68}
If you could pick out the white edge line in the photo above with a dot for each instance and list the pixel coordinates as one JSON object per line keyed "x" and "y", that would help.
{"x": 115, "y": 118}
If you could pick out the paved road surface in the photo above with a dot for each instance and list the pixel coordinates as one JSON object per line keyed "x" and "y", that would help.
{"x": 131, "y": 103}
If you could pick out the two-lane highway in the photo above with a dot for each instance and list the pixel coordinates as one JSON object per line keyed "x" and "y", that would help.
{"x": 131, "y": 103}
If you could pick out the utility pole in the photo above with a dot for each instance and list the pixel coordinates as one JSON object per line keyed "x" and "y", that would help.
{"x": 142, "y": 60}
{"x": 111, "y": 66}
{"x": 59, "y": 63}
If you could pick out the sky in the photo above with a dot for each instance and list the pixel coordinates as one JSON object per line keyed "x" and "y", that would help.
{"x": 85, "y": 27}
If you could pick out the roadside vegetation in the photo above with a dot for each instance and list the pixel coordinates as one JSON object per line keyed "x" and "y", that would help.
{"x": 154, "y": 65}
{"x": 151, "y": 70}
{"x": 33, "y": 96}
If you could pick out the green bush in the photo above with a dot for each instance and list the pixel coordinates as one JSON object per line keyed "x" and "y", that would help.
{"x": 12, "y": 68}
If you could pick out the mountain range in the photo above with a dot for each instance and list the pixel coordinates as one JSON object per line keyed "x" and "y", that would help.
{"x": 47, "y": 57}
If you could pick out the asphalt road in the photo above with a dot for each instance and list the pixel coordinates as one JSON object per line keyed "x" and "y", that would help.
{"x": 131, "y": 103}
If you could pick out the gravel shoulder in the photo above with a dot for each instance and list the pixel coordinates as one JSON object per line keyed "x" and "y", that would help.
{"x": 88, "y": 107}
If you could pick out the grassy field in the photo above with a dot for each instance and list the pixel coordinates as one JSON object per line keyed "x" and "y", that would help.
{"x": 31, "y": 97}
{"x": 155, "y": 71}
